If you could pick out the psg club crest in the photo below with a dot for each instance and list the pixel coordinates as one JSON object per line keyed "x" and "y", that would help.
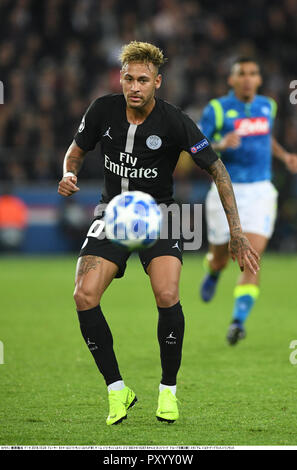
{"x": 153, "y": 142}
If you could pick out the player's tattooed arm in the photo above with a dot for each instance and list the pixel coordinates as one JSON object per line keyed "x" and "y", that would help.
{"x": 239, "y": 245}
{"x": 222, "y": 180}
{"x": 73, "y": 159}
{"x": 72, "y": 164}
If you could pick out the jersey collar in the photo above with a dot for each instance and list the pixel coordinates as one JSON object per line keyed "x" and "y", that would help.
{"x": 232, "y": 95}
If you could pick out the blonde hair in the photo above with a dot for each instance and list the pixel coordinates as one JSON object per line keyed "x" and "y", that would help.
{"x": 142, "y": 52}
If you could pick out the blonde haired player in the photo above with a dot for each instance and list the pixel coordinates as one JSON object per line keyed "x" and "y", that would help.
{"x": 141, "y": 139}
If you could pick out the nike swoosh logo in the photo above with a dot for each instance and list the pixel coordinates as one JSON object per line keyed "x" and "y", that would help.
{"x": 111, "y": 417}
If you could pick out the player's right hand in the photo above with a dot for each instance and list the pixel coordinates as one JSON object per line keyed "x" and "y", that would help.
{"x": 67, "y": 186}
{"x": 241, "y": 249}
{"x": 231, "y": 140}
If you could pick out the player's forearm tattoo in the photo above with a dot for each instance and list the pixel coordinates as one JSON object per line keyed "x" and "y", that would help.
{"x": 238, "y": 242}
{"x": 87, "y": 263}
{"x": 73, "y": 163}
{"x": 222, "y": 180}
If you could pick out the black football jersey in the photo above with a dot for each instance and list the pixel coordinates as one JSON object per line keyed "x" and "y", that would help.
{"x": 141, "y": 157}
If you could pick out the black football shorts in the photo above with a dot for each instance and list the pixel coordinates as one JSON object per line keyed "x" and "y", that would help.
{"x": 169, "y": 246}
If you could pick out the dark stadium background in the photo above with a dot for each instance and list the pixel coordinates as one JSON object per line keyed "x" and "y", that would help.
{"x": 58, "y": 55}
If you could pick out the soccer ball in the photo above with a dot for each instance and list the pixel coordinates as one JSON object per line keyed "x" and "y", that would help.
{"x": 133, "y": 220}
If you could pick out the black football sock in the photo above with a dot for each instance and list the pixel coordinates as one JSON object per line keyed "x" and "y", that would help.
{"x": 98, "y": 338}
{"x": 171, "y": 327}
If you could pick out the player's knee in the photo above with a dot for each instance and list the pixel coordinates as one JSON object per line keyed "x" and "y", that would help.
{"x": 217, "y": 264}
{"x": 85, "y": 298}
{"x": 166, "y": 297}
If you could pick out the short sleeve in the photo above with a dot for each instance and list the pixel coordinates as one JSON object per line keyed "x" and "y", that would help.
{"x": 89, "y": 131}
{"x": 207, "y": 123}
{"x": 273, "y": 108}
{"x": 193, "y": 141}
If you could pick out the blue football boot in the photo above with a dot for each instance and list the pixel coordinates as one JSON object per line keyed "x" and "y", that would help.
{"x": 208, "y": 287}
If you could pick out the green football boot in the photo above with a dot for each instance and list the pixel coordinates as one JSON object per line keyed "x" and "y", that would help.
{"x": 119, "y": 402}
{"x": 167, "y": 406}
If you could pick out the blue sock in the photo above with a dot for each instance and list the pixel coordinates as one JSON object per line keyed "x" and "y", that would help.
{"x": 245, "y": 296}
{"x": 242, "y": 308}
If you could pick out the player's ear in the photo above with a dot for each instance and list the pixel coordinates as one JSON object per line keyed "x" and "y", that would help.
{"x": 230, "y": 81}
{"x": 260, "y": 80}
{"x": 158, "y": 81}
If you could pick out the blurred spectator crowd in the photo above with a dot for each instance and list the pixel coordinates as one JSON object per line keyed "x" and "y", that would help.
{"x": 58, "y": 55}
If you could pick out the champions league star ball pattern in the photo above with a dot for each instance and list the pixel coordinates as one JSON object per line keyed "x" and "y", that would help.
{"x": 133, "y": 220}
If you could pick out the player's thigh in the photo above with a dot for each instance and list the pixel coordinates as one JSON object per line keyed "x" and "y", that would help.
{"x": 258, "y": 242}
{"x": 164, "y": 273}
{"x": 257, "y": 207}
{"x": 93, "y": 276}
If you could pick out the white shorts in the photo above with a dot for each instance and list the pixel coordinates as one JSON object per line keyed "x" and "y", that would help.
{"x": 257, "y": 207}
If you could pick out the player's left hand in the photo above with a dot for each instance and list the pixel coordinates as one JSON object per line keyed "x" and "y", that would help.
{"x": 291, "y": 162}
{"x": 241, "y": 249}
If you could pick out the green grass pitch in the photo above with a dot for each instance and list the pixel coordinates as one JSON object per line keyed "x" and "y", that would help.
{"x": 52, "y": 394}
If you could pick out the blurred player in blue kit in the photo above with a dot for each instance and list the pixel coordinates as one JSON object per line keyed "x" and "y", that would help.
{"x": 239, "y": 125}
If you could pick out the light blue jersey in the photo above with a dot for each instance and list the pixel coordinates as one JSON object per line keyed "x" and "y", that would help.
{"x": 253, "y": 122}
